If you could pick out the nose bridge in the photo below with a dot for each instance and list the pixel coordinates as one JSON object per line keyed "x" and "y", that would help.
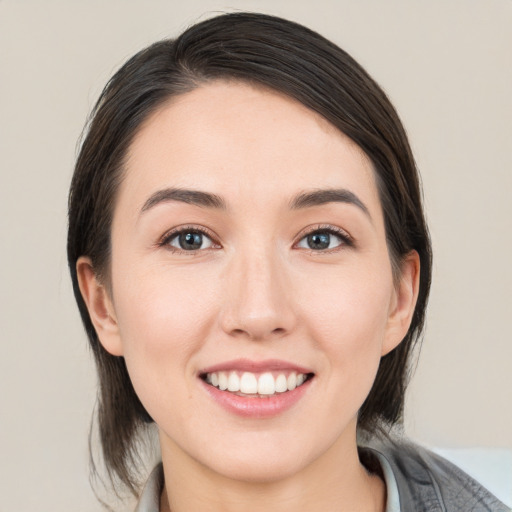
{"x": 257, "y": 298}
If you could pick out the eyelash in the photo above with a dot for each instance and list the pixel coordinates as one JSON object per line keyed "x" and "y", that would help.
{"x": 173, "y": 233}
{"x": 345, "y": 238}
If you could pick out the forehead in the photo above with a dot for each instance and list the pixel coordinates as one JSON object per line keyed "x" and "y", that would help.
{"x": 242, "y": 141}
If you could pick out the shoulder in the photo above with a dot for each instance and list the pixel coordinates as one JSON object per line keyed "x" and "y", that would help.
{"x": 428, "y": 482}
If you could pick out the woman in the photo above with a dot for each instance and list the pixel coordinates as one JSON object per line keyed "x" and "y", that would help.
{"x": 252, "y": 265}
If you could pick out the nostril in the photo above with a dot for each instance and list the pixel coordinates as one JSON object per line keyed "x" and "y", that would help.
{"x": 256, "y": 332}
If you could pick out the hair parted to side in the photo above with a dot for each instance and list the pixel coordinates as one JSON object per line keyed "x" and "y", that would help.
{"x": 281, "y": 55}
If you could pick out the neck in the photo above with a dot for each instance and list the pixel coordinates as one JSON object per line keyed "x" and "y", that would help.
{"x": 334, "y": 481}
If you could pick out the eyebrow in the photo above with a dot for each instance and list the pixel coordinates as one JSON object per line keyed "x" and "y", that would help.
{"x": 208, "y": 200}
{"x": 324, "y": 196}
{"x": 195, "y": 197}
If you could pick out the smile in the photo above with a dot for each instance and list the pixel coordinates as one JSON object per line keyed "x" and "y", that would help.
{"x": 257, "y": 389}
{"x": 256, "y": 384}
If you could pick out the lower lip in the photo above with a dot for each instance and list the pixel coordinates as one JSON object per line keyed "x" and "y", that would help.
{"x": 255, "y": 407}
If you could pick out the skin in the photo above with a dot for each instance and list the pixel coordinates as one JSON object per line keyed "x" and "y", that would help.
{"x": 257, "y": 291}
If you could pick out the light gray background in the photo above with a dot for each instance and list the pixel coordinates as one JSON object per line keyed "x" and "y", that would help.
{"x": 447, "y": 66}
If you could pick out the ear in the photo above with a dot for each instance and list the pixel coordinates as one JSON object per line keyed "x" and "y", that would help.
{"x": 403, "y": 302}
{"x": 100, "y": 307}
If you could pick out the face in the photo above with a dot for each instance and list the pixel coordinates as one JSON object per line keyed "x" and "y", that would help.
{"x": 249, "y": 252}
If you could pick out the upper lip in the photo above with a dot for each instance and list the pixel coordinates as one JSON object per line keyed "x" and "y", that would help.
{"x": 247, "y": 365}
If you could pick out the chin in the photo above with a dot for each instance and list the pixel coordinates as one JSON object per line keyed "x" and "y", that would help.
{"x": 264, "y": 457}
{"x": 259, "y": 470}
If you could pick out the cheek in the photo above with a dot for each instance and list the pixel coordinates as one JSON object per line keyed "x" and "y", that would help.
{"x": 351, "y": 304}
{"x": 164, "y": 309}
{"x": 164, "y": 318}
{"x": 347, "y": 314}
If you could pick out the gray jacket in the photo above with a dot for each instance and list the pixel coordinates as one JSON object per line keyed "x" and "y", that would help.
{"x": 427, "y": 482}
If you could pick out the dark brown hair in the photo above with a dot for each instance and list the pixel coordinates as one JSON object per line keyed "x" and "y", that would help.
{"x": 277, "y": 54}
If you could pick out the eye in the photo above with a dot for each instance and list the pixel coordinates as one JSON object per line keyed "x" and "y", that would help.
{"x": 188, "y": 240}
{"x": 324, "y": 239}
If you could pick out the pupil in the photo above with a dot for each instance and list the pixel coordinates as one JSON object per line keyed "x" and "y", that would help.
{"x": 191, "y": 241}
{"x": 319, "y": 240}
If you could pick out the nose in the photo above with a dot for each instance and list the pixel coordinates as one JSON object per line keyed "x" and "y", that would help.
{"x": 257, "y": 301}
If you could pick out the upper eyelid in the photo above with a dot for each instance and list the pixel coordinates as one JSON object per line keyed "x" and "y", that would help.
{"x": 336, "y": 230}
{"x": 173, "y": 232}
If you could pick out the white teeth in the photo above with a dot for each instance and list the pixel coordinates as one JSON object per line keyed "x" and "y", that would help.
{"x": 292, "y": 381}
{"x": 281, "y": 386}
{"x": 250, "y": 384}
{"x": 233, "y": 382}
{"x": 223, "y": 381}
{"x": 266, "y": 384}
